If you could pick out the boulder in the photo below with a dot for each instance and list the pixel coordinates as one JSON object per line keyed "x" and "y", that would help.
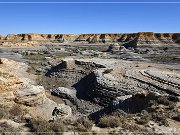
{"x": 43, "y": 110}
{"x": 64, "y": 92}
{"x": 114, "y": 47}
{"x": 68, "y": 63}
{"x": 31, "y": 96}
{"x": 3, "y": 60}
{"x": 62, "y": 111}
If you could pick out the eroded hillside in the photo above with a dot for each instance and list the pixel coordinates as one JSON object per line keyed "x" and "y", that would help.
{"x": 80, "y": 87}
{"x": 137, "y": 38}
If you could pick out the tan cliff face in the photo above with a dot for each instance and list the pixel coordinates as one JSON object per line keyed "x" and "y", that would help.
{"x": 2, "y": 37}
{"x": 138, "y": 38}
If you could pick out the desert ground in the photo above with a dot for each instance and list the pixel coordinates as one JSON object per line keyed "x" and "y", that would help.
{"x": 90, "y": 84}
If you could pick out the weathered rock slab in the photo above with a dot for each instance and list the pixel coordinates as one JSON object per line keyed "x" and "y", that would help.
{"x": 32, "y": 95}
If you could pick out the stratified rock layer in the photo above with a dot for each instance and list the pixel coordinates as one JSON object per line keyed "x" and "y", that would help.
{"x": 31, "y": 96}
{"x": 133, "y": 38}
{"x": 109, "y": 79}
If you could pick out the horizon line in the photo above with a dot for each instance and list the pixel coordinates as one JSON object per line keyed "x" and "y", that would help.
{"x": 93, "y": 33}
{"x": 88, "y": 2}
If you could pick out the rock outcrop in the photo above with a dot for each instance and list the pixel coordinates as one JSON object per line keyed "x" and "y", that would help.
{"x": 17, "y": 88}
{"x": 62, "y": 111}
{"x": 64, "y": 92}
{"x": 166, "y": 81}
{"x": 31, "y": 96}
{"x": 140, "y": 38}
{"x": 118, "y": 78}
{"x": 2, "y": 37}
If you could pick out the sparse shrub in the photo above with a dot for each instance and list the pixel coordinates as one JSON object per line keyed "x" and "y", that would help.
{"x": 81, "y": 128}
{"x": 143, "y": 120}
{"x": 133, "y": 127}
{"x": 165, "y": 48}
{"x": 16, "y": 111}
{"x": 29, "y": 70}
{"x": 109, "y": 121}
{"x": 128, "y": 126}
{"x": 173, "y": 98}
{"x": 129, "y": 116}
{"x": 57, "y": 126}
{"x": 4, "y": 128}
{"x": 83, "y": 124}
{"x": 144, "y": 112}
{"x": 177, "y": 118}
{"x": 164, "y": 100}
{"x": 3, "y": 113}
{"x": 119, "y": 113}
{"x": 172, "y": 106}
{"x": 152, "y": 102}
{"x": 163, "y": 120}
{"x": 159, "y": 118}
{"x": 107, "y": 71}
{"x": 38, "y": 125}
{"x": 68, "y": 121}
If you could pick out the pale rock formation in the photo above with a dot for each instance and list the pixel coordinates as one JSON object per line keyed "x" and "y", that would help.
{"x": 2, "y": 37}
{"x": 16, "y": 87}
{"x": 164, "y": 80}
{"x": 31, "y": 96}
{"x": 68, "y": 63}
{"x": 64, "y": 92}
{"x": 43, "y": 110}
{"x": 114, "y": 47}
{"x": 139, "y": 38}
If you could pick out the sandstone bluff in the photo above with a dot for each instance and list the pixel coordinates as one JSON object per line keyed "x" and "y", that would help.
{"x": 137, "y": 38}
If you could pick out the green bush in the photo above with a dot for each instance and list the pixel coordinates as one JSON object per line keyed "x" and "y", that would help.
{"x": 109, "y": 121}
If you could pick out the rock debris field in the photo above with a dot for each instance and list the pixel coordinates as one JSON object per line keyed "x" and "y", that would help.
{"x": 100, "y": 87}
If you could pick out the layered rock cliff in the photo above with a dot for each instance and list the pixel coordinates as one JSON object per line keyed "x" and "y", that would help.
{"x": 105, "y": 80}
{"x": 1, "y": 37}
{"x": 136, "y": 38}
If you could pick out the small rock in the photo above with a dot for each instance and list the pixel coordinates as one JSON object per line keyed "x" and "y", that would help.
{"x": 62, "y": 111}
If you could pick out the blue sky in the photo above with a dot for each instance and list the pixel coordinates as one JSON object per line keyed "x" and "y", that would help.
{"x": 89, "y": 18}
